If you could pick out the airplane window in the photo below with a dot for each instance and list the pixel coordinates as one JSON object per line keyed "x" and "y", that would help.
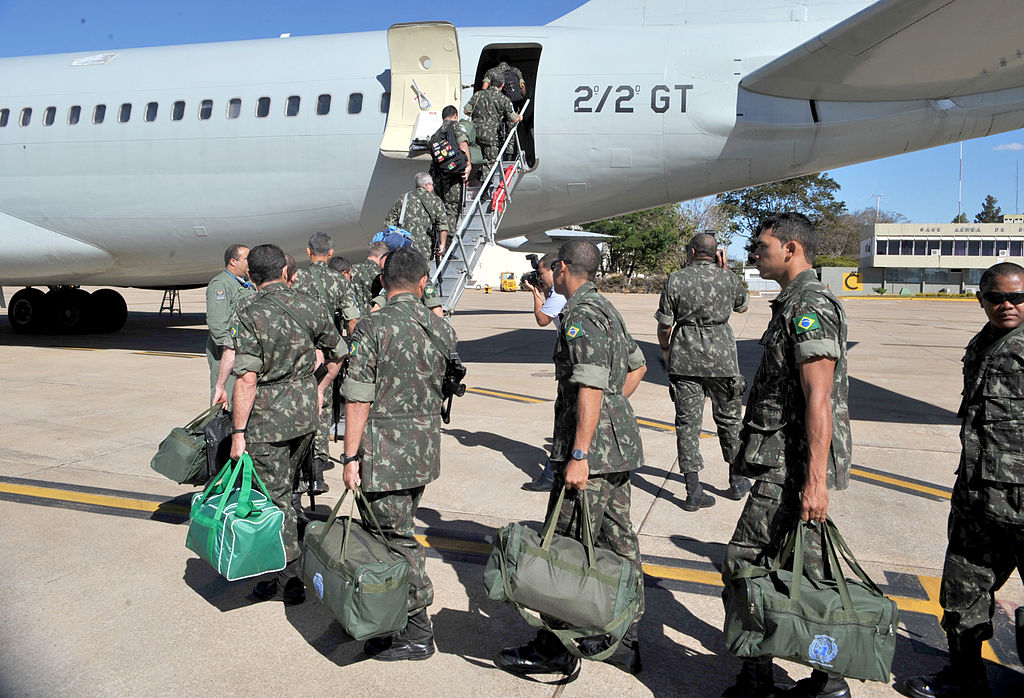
{"x": 355, "y": 102}
{"x": 263, "y": 107}
{"x": 292, "y": 106}
{"x": 49, "y": 116}
{"x": 5, "y": 114}
{"x": 234, "y": 108}
{"x": 74, "y": 114}
{"x": 206, "y": 109}
{"x": 151, "y": 110}
{"x": 385, "y": 102}
{"x": 99, "y": 113}
{"x": 323, "y": 105}
{"x": 178, "y": 111}
{"x": 124, "y": 113}
{"x": 26, "y": 116}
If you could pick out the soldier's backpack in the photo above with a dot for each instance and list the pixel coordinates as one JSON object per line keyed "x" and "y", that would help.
{"x": 445, "y": 151}
{"x": 394, "y": 237}
{"x": 513, "y": 88}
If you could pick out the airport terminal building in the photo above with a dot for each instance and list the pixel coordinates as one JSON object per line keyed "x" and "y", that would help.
{"x": 909, "y": 258}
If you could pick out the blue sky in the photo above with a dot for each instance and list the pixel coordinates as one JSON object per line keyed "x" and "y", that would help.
{"x": 923, "y": 186}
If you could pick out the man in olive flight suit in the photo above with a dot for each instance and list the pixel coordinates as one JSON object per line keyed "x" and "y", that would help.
{"x": 423, "y": 214}
{"x": 795, "y": 441}
{"x": 393, "y": 399}
{"x": 596, "y": 443}
{"x": 335, "y": 293}
{"x": 222, "y": 296}
{"x": 986, "y": 518}
{"x": 694, "y": 333}
{"x": 276, "y": 398}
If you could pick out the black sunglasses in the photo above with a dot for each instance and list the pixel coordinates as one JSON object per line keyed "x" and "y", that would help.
{"x": 998, "y": 298}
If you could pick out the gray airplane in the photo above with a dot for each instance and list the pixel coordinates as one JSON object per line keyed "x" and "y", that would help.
{"x": 138, "y": 167}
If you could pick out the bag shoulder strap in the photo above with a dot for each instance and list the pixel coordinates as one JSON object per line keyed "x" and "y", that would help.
{"x": 405, "y": 203}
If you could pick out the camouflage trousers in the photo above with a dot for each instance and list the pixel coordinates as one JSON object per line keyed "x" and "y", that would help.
{"x": 277, "y": 463}
{"x": 608, "y": 497}
{"x": 396, "y": 512}
{"x": 688, "y": 393}
{"x": 981, "y": 555}
{"x": 424, "y": 244}
{"x": 321, "y": 443}
{"x": 450, "y": 191}
{"x": 770, "y": 514}
{"x": 490, "y": 155}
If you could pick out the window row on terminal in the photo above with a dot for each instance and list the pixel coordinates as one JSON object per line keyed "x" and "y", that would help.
{"x": 178, "y": 111}
{"x": 950, "y": 247}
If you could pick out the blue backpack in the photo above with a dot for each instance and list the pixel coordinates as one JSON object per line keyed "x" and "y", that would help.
{"x": 394, "y": 237}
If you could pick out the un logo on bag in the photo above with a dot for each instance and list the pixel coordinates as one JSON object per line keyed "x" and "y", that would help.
{"x": 318, "y": 584}
{"x": 823, "y": 650}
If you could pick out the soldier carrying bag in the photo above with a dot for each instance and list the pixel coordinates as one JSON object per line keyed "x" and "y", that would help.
{"x": 840, "y": 626}
{"x": 356, "y": 574}
{"x": 588, "y": 591}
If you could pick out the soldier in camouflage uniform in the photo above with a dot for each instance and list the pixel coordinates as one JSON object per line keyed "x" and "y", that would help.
{"x": 488, "y": 108}
{"x": 276, "y": 396}
{"x": 423, "y": 214}
{"x": 393, "y": 394}
{"x": 365, "y": 273}
{"x": 986, "y": 518}
{"x": 450, "y": 185}
{"x": 596, "y": 443}
{"x": 222, "y": 295}
{"x": 337, "y": 297}
{"x": 795, "y": 440}
{"x": 693, "y": 330}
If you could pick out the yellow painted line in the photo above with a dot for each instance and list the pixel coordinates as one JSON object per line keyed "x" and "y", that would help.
{"x": 507, "y": 396}
{"x": 897, "y": 297}
{"x": 657, "y": 425}
{"x": 682, "y": 574}
{"x": 180, "y": 355}
{"x": 454, "y": 544}
{"x": 80, "y": 348}
{"x": 86, "y": 498}
{"x": 900, "y": 483}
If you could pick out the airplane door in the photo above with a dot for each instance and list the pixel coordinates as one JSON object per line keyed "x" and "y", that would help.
{"x": 426, "y": 76}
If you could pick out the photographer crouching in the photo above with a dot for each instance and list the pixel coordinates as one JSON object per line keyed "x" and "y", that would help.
{"x": 547, "y": 304}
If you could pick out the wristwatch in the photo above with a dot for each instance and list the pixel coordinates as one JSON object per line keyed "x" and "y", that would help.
{"x": 349, "y": 459}
{"x": 577, "y": 454}
{"x": 238, "y": 431}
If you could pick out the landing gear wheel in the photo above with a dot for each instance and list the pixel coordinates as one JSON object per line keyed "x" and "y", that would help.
{"x": 28, "y": 311}
{"x": 110, "y": 312}
{"x": 72, "y": 310}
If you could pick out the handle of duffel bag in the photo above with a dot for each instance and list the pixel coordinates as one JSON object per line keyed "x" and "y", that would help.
{"x": 828, "y": 550}
{"x": 360, "y": 497}
{"x": 548, "y": 532}
{"x": 839, "y": 545}
{"x": 221, "y": 485}
{"x": 206, "y": 414}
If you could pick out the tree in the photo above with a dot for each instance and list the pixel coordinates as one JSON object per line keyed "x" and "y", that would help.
{"x": 843, "y": 240}
{"x": 644, "y": 242}
{"x": 812, "y": 195}
{"x": 990, "y": 212}
{"x": 961, "y": 218}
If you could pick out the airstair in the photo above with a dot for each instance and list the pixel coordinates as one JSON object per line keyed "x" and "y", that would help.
{"x": 481, "y": 217}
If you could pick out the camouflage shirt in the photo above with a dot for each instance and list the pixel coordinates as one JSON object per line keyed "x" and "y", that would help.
{"x": 363, "y": 275}
{"x": 425, "y": 214}
{"x": 397, "y": 365}
{"x": 330, "y": 288}
{"x": 807, "y": 322}
{"x": 275, "y": 336}
{"x": 696, "y": 303}
{"x": 595, "y": 350}
{"x": 488, "y": 108}
{"x": 991, "y": 473}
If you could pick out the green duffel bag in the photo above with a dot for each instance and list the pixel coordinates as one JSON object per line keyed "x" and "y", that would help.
{"x": 235, "y": 528}
{"x": 182, "y": 455}
{"x": 588, "y": 591}
{"x": 357, "y": 575}
{"x": 841, "y": 626}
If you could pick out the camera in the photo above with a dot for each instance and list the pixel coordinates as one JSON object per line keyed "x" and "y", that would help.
{"x": 533, "y": 277}
{"x": 451, "y": 384}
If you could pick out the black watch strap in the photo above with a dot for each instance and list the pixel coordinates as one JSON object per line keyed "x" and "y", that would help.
{"x": 349, "y": 459}
{"x": 238, "y": 431}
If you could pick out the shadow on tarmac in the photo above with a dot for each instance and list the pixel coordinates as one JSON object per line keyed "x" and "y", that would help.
{"x": 143, "y": 332}
{"x": 528, "y": 458}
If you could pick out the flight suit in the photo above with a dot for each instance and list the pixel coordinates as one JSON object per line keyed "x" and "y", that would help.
{"x": 275, "y": 336}
{"x": 222, "y": 296}
{"x": 697, "y": 302}
{"x": 397, "y": 364}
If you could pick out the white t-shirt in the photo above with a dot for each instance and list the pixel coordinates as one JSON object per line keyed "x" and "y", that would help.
{"x": 553, "y": 305}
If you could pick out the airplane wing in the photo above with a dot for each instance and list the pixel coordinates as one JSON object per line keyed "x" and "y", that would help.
{"x": 905, "y": 50}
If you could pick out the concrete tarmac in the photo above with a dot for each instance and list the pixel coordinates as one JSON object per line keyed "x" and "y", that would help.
{"x": 102, "y": 598}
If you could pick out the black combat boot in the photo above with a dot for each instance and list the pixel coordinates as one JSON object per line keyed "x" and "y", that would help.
{"x": 319, "y": 466}
{"x": 738, "y": 487}
{"x": 963, "y": 676}
{"x": 626, "y": 656}
{"x": 544, "y": 654}
{"x": 819, "y": 684}
{"x": 753, "y": 681}
{"x": 695, "y": 497}
{"x": 294, "y": 590}
{"x": 415, "y": 641}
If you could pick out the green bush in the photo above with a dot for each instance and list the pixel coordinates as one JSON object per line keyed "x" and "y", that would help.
{"x": 880, "y": 290}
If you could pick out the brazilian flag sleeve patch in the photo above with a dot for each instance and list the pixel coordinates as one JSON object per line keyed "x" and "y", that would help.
{"x": 573, "y": 331}
{"x": 806, "y": 323}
